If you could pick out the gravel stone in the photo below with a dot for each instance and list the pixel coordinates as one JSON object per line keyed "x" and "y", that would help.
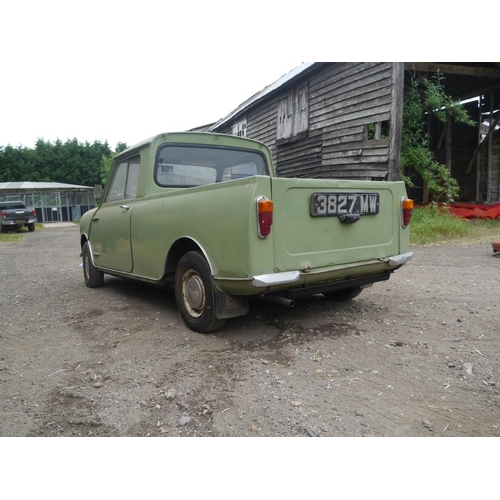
{"x": 52, "y": 349}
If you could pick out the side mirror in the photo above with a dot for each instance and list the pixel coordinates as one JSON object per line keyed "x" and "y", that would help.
{"x": 97, "y": 190}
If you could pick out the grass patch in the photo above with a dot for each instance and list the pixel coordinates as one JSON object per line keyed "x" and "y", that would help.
{"x": 12, "y": 236}
{"x": 19, "y": 234}
{"x": 431, "y": 224}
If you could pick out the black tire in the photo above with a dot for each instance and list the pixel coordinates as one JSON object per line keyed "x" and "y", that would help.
{"x": 31, "y": 227}
{"x": 343, "y": 295}
{"x": 194, "y": 294}
{"x": 92, "y": 276}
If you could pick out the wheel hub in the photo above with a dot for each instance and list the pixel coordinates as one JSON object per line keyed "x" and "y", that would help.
{"x": 194, "y": 293}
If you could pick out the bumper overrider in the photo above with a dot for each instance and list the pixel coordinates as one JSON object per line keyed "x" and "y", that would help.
{"x": 290, "y": 277}
{"x": 310, "y": 280}
{"x": 292, "y": 285}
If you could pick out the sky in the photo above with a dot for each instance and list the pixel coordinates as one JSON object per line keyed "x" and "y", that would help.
{"x": 124, "y": 71}
{"x": 120, "y": 72}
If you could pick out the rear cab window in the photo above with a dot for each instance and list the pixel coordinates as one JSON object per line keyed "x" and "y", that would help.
{"x": 12, "y": 205}
{"x": 188, "y": 166}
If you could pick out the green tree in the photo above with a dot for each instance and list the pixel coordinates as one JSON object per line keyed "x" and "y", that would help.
{"x": 106, "y": 162}
{"x": 70, "y": 162}
{"x": 428, "y": 96}
{"x": 120, "y": 146}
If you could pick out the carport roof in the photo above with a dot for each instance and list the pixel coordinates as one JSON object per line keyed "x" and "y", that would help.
{"x": 41, "y": 186}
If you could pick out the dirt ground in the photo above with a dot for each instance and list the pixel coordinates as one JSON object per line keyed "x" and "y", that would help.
{"x": 418, "y": 355}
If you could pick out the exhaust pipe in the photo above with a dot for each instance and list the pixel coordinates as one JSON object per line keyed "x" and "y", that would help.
{"x": 279, "y": 300}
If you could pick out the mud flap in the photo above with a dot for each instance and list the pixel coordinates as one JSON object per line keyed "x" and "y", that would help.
{"x": 230, "y": 306}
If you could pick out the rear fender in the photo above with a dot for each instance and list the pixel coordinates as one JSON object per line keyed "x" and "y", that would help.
{"x": 180, "y": 247}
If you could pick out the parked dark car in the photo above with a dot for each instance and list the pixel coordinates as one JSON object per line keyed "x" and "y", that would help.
{"x": 15, "y": 214}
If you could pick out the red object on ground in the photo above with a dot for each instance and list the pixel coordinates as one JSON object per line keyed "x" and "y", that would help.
{"x": 496, "y": 246}
{"x": 475, "y": 211}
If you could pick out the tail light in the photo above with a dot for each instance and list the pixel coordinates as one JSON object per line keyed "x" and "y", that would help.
{"x": 4, "y": 214}
{"x": 407, "y": 211}
{"x": 265, "y": 210}
{"x": 34, "y": 212}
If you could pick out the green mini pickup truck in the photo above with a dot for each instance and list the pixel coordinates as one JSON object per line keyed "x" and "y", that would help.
{"x": 205, "y": 215}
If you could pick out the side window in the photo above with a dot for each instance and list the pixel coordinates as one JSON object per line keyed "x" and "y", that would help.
{"x": 133, "y": 177}
{"x": 125, "y": 179}
{"x": 117, "y": 188}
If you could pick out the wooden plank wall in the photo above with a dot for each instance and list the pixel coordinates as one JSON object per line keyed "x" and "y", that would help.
{"x": 495, "y": 171}
{"x": 495, "y": 174}
{"x": 343, "y": 101}
{"x": 344, "y": 98}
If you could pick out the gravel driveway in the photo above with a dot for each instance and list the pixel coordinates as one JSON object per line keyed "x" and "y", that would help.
{"x": 418, "y": 355}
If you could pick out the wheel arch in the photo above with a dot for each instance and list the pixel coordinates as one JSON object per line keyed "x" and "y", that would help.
{"x": 178, "y": 249}
{"x": 83, "y": 240}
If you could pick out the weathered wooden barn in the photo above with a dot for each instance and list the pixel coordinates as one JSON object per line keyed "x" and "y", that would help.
{"x": 344, "y": 120}
{"x": 470, "y": 153}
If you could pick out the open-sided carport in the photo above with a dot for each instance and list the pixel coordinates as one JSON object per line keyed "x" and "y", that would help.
{"x": 53, "y": 201}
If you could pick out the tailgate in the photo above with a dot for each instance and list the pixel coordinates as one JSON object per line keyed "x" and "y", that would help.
{"x": 18, "y": 215}
{"x": 302, "y": 240}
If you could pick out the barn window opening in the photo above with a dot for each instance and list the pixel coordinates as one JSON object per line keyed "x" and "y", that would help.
{"x": 293, "y": 115}
{"x": 240, "y": 128}
{"x": 377, "y": 130}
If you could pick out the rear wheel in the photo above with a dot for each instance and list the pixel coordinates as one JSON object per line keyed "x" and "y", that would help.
{"x": 194, "y": 294}
{"x": 31, "y": 227}
{"x": 92, "y": 276}
{"x": 343, "y": 295}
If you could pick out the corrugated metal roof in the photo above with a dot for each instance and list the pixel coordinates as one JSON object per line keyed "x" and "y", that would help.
{"x": 40, "y": 186}
{"x": 263, "y": 93}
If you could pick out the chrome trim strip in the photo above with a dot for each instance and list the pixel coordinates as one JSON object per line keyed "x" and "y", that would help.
{"x": 275, "y": 278}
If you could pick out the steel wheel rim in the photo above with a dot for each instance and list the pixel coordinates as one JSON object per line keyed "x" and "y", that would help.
{"x": 193, "y": 293}
{"x": 86, "y": 263}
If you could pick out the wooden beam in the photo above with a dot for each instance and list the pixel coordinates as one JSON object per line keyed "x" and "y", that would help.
{"x": 480, "y": 148}
{"x": 453, "y": 69}
{"x": 478, "y": 157}
{"x": 448, "y": 143}
{"x": 489, "y": 157}
{"x": 477, "y": 92}
{"x": 396, "y": 121}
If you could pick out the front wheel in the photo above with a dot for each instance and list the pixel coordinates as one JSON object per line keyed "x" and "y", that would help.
{"x": 92, "y": 276}
{"x": 195, "y": 295}
{"x": 343, "y": 295}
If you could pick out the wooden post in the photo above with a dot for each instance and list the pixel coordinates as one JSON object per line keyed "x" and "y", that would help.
{"x": 448, "y": 143}
{"x": 396, "y": 121}
{"x": 490, "y": 144}
{"x": 498, "y": 171}
{"x": 478, "y": 157}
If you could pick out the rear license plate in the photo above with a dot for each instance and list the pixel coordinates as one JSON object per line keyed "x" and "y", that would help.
{"x": 19, "y": 220}
{"x": 325, "y": 204}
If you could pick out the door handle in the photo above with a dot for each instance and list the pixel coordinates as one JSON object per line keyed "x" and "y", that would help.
{"x": 349, "y": 218}
{"x": 125, "y": 207}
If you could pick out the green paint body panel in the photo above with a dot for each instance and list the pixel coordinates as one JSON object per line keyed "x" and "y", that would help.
{"x": 142, "y": 237}
{"x": 302, "y": 241}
